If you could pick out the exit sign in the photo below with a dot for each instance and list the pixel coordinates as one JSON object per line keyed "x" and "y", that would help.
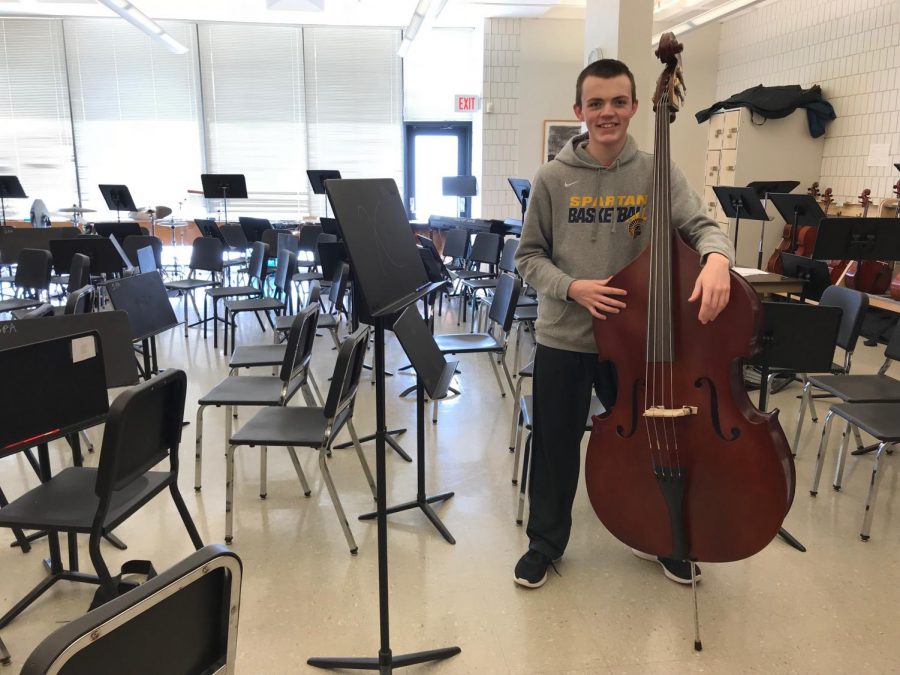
{"x": 466, "y": 103}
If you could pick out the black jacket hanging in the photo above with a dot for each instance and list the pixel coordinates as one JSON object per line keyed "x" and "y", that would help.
{"x": 781, "y": 101}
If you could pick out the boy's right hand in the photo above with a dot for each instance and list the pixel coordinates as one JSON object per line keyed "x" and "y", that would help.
{"x": 596, "y": 296}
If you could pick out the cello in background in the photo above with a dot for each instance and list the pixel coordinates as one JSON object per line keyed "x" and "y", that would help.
{"x": 838, "y": 268}
{"x": 806, "y": 237}
{"x": 895, "y": 282}
{"x": 684, "y": 466}
{"x": 869, "y": 276}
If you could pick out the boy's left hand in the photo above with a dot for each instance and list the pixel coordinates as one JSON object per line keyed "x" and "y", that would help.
{"x": 712, "y": 288}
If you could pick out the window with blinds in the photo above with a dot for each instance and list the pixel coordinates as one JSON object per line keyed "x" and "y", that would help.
{"x": 253, "y": 102}
{"x": 35, "y": 132}
{"x": 135, "y": 112}
{"x": 431, "y": 80}
{"x": 353, "y": 103}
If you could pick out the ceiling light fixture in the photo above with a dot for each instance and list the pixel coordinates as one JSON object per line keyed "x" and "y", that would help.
{"x": 420, "y": 22}
{"x": 719, "y": 12}
{"x": 137, "y": 18}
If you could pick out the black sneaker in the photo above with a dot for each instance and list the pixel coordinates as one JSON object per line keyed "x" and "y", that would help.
{"x": 531, "y": 570}
{"x": 678, "y": 571}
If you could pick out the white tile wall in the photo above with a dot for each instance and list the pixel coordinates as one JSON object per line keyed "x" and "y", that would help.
{"x": 500, "y": 135}
{"x": 849, "y": 47}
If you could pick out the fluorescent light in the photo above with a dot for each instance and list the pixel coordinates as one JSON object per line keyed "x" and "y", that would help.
{"x": 704, "y": 18}
{"x": 420, "y": 18}
{"x": 137, "y": 18}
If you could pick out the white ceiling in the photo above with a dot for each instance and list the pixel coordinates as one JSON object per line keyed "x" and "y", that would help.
{"x": 350, "y": 12}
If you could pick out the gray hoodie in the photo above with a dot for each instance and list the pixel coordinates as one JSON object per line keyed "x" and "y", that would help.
{"x": 586, "y": 221}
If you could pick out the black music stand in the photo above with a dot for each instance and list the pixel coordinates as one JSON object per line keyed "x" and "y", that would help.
{"x": 317, "y": 178}
{"x": 522, "y": 189}
{"x": 105, "y": 259}
{"x": 460, "y": 186}
{"x": 763, "y": 188}
{"x": 117, "y": 231}
{"x": 117, "y": 198}
{"x": 741, "y": 202}
{"x": 10, "y": 188}
{"x": 796, "y": 338}
{"x": 143, "y": 297}
{"x": 391, "y": 276}
{"x": 858, "y": 239}
{"x": 433, "y": 375}
{"x": 224, "y": 186}
{"x": 813, "y": 272}
{"x": 797, "y": 210}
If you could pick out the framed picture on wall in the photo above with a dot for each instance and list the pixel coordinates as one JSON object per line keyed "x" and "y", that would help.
{"x": 556, "y": 134}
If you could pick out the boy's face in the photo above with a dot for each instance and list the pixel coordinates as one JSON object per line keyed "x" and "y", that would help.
{"x": 606, "y": 108}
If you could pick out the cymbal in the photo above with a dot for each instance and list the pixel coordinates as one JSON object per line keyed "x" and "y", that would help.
{"x": 76, "y": 209}
{"x": 159, "y": 211}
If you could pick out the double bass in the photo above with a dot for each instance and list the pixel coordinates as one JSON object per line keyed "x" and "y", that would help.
{"x": 684, "y": 466}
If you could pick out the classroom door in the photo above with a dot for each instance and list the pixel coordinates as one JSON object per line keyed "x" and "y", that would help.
{"x": 435, "y": 150}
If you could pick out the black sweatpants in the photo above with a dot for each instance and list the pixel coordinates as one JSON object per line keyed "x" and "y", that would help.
{"x": 562, "y": 387}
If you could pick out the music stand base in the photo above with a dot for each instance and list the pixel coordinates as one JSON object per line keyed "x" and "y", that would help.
{"x": 385, "y": 662}
{"x": 423, "y": 503}
{"x": 388, "y": 439}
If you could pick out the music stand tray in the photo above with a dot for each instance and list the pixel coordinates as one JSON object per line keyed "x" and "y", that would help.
{"x": 10, "y": 188}
{"x": 317, "y": 178}
{"x": 224, "y": 186}
{"x": 765, "y": 187}
{"x": 858, "y": 239}
{"x": 813, "y": 272}
{"x": 798, "y": 210}
{"x": 104, "y": 257}
{"x": 521, "y": 187}
{"x": 117, "y": 198}
{"x": 741, "y": 202}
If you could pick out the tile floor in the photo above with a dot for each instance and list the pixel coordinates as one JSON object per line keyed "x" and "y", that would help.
{"x": 830, "y": 610}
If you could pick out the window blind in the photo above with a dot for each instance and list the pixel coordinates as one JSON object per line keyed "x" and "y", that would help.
{"x": 35, "y": 132}
{"x": 135, "y": 108}
{"x": 254, "y": 106}
{"x": 354, "y": 103}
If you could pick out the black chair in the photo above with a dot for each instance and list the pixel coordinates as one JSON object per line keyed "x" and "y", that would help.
{"x": 484, "y": 284}
{"x": 853, "y": 304}
{"x": 143, "y": 428}
{"x": 310, "y": 427}
{"x": 280, "y": 300}
{"x": 133, "y": 243}
{"x": 206, "y": 256}
{"x": 277, "y": 390}
{"x": 253, "y": 288}
{"x": 526, "y": 415}
{"x": 500, "y": 316}
{"x": 234, "y": 237}
{"x": 307, "y": 246}
{"x": 879, "y": 420}
{"x": 32, "y": 275}
{"x": 191, "y": 611}
{"x": 456, "y": 248}
{"x": 485, "y": 251}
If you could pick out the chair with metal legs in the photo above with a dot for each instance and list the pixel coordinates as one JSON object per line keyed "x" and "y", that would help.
{"x": 253, "y": 288}
{"x": 309, "y": 427}
{"x": 206, "y": 256}
{"x": 277, "y": 390}
{"x": 143, "y": 428}
{"x": 879, "y": 420}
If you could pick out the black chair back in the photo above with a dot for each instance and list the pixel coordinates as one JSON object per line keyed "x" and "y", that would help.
{"x": 284, "y": 271}
{"x": 270, "y": 239}
{"x": 853, "y": 304}
{"x": 135, "y": 242}
{"x": 892, "y": 351}
{"x": 313, "y": 295}
{"x": 34, "y": 268}
{"x": 506, "y": 296}
{"x": 142, "y": 427}
{"x": 338, "y": 289}
{"x": 298, "y": 352}
{"x": 256, "y": 262}
{"x": 508, "y": 256}
{"x": 206, "y": 254}
{"x": 79, "y": 272}
{"x": 345, "y": 379}
{"x": 80, "y": 301}
{"x": 456, "y": 243}
{"x": 485, "y": 249}
{"x": 287, "y": 242}
{"x": 309, "y": 237}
